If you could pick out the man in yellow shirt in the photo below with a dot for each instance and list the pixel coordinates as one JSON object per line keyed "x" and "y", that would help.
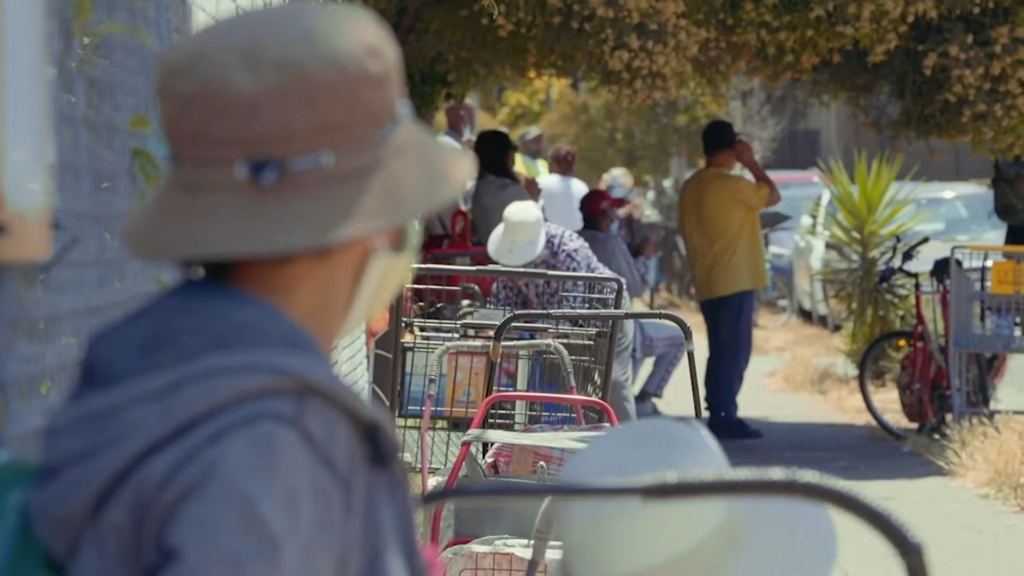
{"x": 720, "y": 225}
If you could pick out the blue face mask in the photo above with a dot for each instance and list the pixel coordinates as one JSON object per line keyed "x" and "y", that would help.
{"x": 618, "y": 191}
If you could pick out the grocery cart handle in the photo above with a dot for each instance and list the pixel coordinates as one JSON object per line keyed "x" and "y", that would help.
{"x": 521, "y": 273}
{"x": 735, "y": 482}
{"x": 437, "y": 358}
{"x": 578, "y": 315}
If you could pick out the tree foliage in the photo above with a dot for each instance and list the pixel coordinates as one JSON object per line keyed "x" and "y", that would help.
{"x": 637, "y": 48}
{"x": 928, "y": 68}
{"x": 641, "y": 137}
{"x": 951, "y": 69}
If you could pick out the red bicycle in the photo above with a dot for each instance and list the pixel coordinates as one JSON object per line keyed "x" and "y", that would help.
{"x": 918, "y": 360}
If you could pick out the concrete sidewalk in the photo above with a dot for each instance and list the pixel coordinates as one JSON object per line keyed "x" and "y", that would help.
{"x": 963, "y": 533}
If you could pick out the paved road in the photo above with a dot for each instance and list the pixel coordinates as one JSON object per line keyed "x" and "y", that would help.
{"x": 964, "y": 534}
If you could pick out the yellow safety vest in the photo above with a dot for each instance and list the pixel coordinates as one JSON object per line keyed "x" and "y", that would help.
{"x": 530, "y": 167}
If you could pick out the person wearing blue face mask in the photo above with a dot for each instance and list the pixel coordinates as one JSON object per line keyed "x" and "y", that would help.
{"x": 618, "y": 181}
{"x": 656, "y": 339}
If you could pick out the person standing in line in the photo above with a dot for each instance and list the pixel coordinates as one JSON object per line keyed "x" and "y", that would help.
{"x": 497, "y": 184}
{"x": 530, "y": 160}
{"x": 659, "y": 339}
{"x": 561, "y": 191}
{"x": 207, "y": 434}
{"x": 460, "y": 134}
{"x": 461, "y": 125}
{"x": 720, "y": 225}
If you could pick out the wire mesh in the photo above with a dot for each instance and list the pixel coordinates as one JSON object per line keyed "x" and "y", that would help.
{"x": 497, "y": 564}
{"x": 451, "y": 303}
{"x": 49, "y": 311}
{"x": 986, "y": 305}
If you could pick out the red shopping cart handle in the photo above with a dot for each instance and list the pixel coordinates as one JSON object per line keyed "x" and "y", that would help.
{"x": 478, "y": 422}
{"x": 541, "y": 397}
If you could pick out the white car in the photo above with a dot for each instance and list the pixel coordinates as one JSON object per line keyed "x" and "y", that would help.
{"x": 951, "y": 213}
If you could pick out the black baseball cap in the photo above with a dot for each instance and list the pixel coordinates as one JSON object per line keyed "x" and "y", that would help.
{"x": 718, "y": 136}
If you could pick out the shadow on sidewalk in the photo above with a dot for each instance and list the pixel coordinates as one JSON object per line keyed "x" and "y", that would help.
{"x": 846, "y": 451}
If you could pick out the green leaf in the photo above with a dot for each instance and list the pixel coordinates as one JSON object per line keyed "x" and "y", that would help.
{"x": 870, "y": 214}
{"x": 140, "y": 123}
{"x": 147, "y": 167}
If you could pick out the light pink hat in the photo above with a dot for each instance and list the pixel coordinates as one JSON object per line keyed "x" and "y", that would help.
{"x": 290, "y": 130}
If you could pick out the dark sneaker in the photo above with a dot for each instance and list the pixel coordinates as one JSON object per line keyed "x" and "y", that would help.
{"x": 733, "y": 429}
{"x": 645, "y": 408}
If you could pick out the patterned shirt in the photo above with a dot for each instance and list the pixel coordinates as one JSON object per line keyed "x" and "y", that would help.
{"x": 564, "y": 251}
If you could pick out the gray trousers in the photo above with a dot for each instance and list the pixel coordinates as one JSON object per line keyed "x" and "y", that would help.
{"x": 620, "y": 393}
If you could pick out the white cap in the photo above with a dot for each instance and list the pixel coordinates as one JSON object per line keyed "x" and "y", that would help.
{"x": 519, "y": 239}
{"x": 617, "y": 177}
{"x": 735, "y": 536}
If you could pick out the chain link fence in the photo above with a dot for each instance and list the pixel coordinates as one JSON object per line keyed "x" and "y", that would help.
{"x": 48, "y": 312}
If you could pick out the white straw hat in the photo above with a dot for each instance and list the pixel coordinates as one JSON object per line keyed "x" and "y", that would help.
{"x": 519, "y": 239}
{"x": 290, "y": 130}
{"x": 736, "y": 536}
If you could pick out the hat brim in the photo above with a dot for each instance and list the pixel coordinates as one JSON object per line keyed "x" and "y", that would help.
{"x": 782, "y": 535}
{"x": 514, "y": 253}
{"x": 757, "y": 535}
{"x": 197, "y": 220}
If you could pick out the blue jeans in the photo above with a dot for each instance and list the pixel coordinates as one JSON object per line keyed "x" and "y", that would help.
{"x": 663, "y": 341}
{"x": 620, "y": 393}
{"x": 730, "y": 325}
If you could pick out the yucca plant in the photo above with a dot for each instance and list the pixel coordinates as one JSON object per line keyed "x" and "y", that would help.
{"x": 870, "y": 214}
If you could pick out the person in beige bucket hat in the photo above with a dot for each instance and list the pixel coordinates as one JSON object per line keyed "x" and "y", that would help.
{"x": 208, "y": 433}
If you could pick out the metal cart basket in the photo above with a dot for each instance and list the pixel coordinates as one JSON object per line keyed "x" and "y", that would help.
{"x": 514, "y": 319}
{"x": 447, "y": 304}
{"x": 986, "y": 305}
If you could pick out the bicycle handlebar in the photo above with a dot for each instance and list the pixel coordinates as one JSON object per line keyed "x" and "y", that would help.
{"x": 889, "y": 271}
{"x": 909, "y": 252}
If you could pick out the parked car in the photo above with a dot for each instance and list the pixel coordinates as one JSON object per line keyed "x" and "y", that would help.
{"x": 950, "y": 213}
{"x": 800, "y": 189}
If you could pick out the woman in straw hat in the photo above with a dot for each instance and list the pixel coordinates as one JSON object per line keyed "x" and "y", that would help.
{"x": 208, "y": 433}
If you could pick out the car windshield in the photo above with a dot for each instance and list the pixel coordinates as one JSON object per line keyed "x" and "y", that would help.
{"x": 798, "y": 198}
{"x": 951, "y": 216}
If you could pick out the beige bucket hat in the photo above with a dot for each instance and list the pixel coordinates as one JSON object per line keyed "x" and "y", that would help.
{"x": 290, "y": 129}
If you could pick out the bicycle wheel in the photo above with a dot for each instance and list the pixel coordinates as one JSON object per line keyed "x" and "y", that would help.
{"x": 885, "y": 374}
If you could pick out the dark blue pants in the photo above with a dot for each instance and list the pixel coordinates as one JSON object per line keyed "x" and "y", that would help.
{"x": 730, "y": 324}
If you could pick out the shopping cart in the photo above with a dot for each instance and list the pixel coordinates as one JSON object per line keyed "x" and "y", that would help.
{"x": 432, "y": 315}
{"x": 472, "y": 286}
{"x": 530, "y": 454}
{"x": 539, "y": 552}
{"x": 436, "y": 362}
{"x": 515, "y": 319}
{"x": 986, "y": 305}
